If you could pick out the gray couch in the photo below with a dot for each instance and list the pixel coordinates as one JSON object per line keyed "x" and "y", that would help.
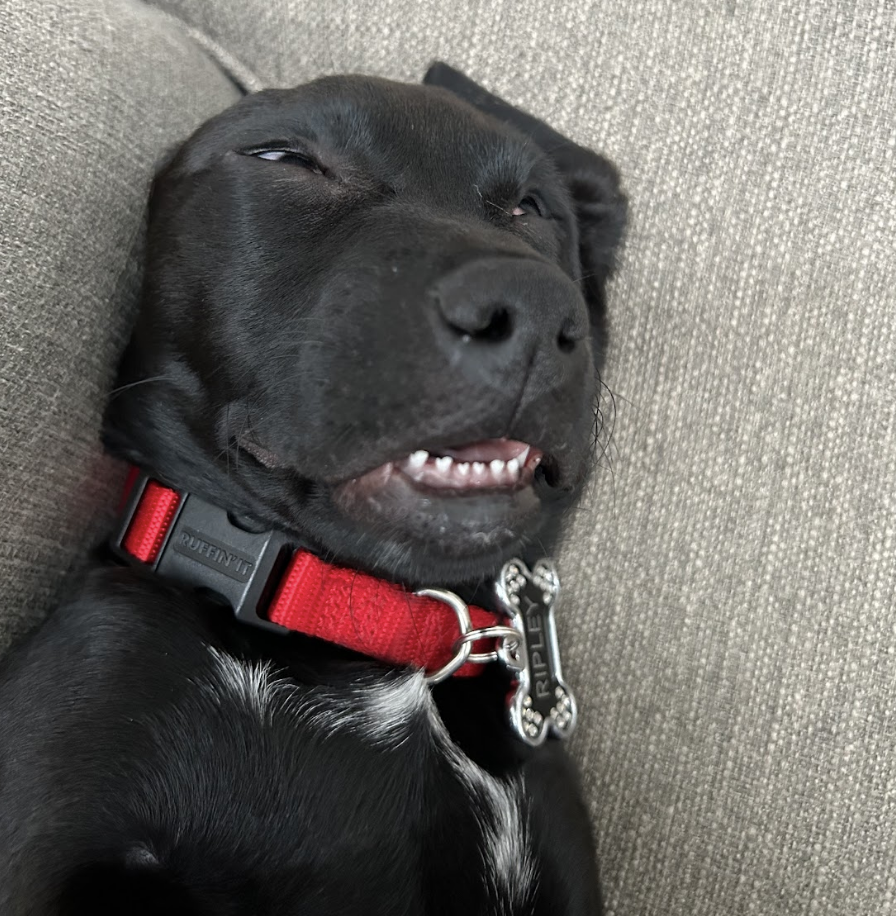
{"x": 729, "y": 609}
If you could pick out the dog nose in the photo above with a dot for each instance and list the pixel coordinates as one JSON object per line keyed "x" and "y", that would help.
{"x": 517, "y": 305}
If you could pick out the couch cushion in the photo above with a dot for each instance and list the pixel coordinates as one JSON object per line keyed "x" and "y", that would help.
{"x": 91, "y": 94}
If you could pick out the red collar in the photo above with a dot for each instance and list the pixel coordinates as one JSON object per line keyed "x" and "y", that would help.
{"x": 270, "y": 584}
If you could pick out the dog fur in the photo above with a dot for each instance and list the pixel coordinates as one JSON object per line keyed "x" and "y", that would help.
{"x": 336, "y": 276}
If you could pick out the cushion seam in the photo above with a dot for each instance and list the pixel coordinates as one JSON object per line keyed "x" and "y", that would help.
{"x": 239, "y": 73}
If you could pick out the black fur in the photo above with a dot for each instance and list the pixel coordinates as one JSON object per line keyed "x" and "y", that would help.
{"x": 304, "y": 321}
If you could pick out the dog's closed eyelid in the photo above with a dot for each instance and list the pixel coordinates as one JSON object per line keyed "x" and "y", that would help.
{"x": 287, "y": 155}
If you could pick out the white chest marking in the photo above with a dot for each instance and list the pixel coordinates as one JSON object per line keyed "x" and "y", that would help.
{"x": 384, "y": 711}
{"x": 253, "y": 685}
{"x": 381, "y": 710}
{"x": 498, "y": 803}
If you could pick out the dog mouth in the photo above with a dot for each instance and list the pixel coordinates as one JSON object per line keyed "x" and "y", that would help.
{"x": 454, "y": 502}
{"x": 463, "y": 502}
{"x": 493, "y": 465}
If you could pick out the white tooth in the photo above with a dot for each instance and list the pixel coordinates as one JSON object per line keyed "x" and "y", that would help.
{"x": 514, "y": 467}
{"x": 462, "y": 468}
{"x": 442, "y": 464}
{"x": 497, "y": 466}
{"x": 418, "y": 459}
{"x": 523, "y": 455}
{"x": 478, "y": 467}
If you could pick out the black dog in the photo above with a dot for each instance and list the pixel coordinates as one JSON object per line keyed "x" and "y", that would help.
{"x": 371, "y": 322}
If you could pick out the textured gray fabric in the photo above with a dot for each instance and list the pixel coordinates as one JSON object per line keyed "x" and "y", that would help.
{"x": 730, "y": 616}
{"x": 91, "y": 93}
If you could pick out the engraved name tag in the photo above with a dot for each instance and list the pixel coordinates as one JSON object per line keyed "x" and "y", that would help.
{"x": 541, "y": 703}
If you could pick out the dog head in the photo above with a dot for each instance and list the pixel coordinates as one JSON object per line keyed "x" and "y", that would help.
{"x": 373, "y": 315}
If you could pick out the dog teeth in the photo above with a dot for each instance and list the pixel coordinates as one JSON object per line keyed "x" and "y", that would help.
{"x": 443, "y": 471}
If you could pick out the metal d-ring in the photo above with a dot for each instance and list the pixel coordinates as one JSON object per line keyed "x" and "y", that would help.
{"x": 512, "y": 636}
{"x": 462, "y": 612}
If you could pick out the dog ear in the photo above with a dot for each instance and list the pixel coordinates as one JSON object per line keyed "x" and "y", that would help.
{"x": 593, "y": 181}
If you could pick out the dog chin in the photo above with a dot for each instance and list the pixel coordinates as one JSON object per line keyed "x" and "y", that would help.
{"x": 456, "y": 521}
{"x": 438, "y": 539}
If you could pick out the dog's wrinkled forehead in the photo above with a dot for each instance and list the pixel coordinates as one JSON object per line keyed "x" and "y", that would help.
{"x": 407, "y": 137}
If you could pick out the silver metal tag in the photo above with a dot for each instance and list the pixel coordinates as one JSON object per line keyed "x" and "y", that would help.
{"x": 541, "y": 702}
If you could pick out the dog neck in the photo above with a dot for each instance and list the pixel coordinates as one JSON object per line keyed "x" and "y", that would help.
{"x": 271, "y": 584}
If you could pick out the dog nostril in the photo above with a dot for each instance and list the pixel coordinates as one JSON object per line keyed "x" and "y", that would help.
{"x": 569, "y": 335}
{"x": 565, "y": 343}
{"x": 499, "y": 327}
{"x": 493, "y": 325}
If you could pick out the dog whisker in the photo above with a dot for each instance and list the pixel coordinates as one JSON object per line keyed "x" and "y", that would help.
{"x": 144, "y": 381}
{"x": 491, "y": 203}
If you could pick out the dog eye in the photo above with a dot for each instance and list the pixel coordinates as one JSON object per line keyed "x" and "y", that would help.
{"x": 529, "y": 205}
{"x": 288, "y": 156}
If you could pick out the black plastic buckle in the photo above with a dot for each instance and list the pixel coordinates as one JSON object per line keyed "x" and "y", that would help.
{"x": 204, "y": 548}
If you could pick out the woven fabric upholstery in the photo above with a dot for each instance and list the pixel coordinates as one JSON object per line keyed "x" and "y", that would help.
{"x": 92, "y": 93}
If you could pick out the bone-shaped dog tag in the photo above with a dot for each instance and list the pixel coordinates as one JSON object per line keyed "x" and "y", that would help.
{"x": 541, "y": 702}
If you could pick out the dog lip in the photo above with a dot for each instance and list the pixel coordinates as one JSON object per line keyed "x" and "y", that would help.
{"x": 455, "y": 523}
{"x": 262, "y": 455}
{"x": 498, "y": 465}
